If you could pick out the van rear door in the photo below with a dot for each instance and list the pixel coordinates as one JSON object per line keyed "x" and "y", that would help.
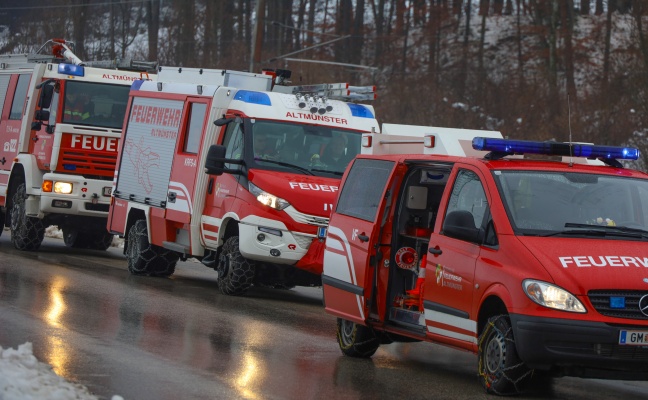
{"x": 352, "y": 239}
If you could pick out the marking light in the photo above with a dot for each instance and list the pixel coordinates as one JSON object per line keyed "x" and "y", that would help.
{"x": 358, "y": 110}
{"x": 69, "y": 69}
{"x": 253, "y": 97}
{"x": 508, "y": 147}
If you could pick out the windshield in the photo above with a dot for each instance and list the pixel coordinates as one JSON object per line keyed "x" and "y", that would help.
{"x": 95, "y": 104}
{"x": 542, "y": 203}
{"x": 300, "y": 148}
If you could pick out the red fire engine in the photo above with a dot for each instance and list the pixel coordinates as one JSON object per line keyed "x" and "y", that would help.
{"x": 60, "y": 126}
{"x": 235, "y": 169}
{"x": 535, "y": 263}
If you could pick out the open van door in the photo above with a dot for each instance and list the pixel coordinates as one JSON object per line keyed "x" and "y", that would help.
{"x": 350, "y": 255}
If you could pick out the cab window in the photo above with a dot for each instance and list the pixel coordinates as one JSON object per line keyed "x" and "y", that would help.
{"x": 19, "y": 97}
{"x": 195, "y": 127}
{"x": 233, "y": 142}
{"x": 362, "y": 192}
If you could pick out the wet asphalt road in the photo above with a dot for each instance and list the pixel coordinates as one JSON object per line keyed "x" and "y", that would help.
{"x": 179, "y": 338}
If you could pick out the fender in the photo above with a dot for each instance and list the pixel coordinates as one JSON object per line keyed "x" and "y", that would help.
{"x": 33, "y": 175}
{"x": 228, "y": 218}
{"x": 496, "y": 290}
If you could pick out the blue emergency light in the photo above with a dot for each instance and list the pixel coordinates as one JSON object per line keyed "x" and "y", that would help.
{"x": 358, "y": 110}
{"x": 71, "y": 69}
{"x": 503, "y": 147}
{"x": 251, "y": 97}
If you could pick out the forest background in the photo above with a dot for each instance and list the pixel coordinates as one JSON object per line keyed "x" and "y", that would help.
{"x": 532, "y": 69}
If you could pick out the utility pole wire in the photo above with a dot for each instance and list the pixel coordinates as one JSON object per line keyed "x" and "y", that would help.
{"x": 106, "y": 3}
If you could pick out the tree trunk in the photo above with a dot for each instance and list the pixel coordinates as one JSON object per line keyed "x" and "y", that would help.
{"x": 567, "y": 14}
{"x": 153, "y": 25}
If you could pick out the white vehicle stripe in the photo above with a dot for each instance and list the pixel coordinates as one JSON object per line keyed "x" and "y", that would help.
{"x": 447, "y": 319}
{"x": 451, "y": 334}
{"x": 183, "y": 199}
{"x": 334, "y": 264}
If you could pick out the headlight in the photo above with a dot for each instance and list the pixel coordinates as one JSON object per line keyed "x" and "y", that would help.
{"x": 62, "y": 187}
{"x": 268, "y": 199}
{"x": 552, "y": 296}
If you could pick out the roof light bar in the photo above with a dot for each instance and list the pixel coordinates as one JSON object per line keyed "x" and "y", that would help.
{"x": 69, "y": 69}
{"x": 358, "y": 110}
{"x": 251, "y": 97}
{"x": 508, "y": 147}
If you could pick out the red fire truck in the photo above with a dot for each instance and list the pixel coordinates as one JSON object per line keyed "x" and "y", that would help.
{"x": 530, "y": 255}
{"x": 60, "y": 125}
{"x": 236, "y": 169}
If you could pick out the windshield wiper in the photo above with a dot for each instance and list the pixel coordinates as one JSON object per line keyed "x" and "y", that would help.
{"x": 285, "y": 164}
{"x": 329, "y": 171}
{"x": 599, "y": 230}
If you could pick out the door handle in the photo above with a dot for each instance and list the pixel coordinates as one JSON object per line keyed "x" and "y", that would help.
{"x": 172, "y": 197}
{"x": 435, "y": 251}
{"x": 363, "y": 238}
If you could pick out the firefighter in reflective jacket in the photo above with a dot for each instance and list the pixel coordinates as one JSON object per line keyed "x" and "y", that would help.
{"x": 76, "y": 107}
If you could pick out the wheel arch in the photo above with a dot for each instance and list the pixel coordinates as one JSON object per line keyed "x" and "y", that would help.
{"x": 491, "y": 306}
{"x": 229, "y": 227}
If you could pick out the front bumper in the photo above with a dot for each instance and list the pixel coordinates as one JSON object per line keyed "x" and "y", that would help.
{"x": 88, "y": 197}
{"x": 579, "y": 348}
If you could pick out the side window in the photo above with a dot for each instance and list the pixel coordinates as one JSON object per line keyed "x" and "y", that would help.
{"x": 19, "y": 97}
{"x": 4, "y": 86}
{"x": 362, "y": 192}
{"x": 468, "y": 195}
{"x": 233, "y": 142}
{"x": 194, "y": 128}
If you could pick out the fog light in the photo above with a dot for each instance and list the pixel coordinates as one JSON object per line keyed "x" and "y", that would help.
{"x": 260, "y": 237}
{"x": 275, "y": 253}
{"x": 62, "y": 187}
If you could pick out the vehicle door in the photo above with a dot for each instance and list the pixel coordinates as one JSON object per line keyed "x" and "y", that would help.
{"x": 353, "y": 239}
{"x": 451, "y": 261}
{"x": 184, "y": 169}
{"x": 13, "y": 93}
{"x": 222, "y": 189}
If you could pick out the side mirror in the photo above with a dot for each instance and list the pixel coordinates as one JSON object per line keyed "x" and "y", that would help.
{"x": 215, "y": 161}
{"x": 223, "y": 121}
{"x": 45, "y": 100}
{"x": 36, "y": 126}
{"x": 460, "y": 225}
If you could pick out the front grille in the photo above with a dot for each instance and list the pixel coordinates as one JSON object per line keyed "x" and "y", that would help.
{"x": 613, "y": 351}
{"x": 306, "y": 218}
{"x": 303, "y": 241}
{"x": 87, "y": 163}
{"x": 600, "y": 299}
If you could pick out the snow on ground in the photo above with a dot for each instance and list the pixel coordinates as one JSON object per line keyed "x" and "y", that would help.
{"x": 23, "y": 377}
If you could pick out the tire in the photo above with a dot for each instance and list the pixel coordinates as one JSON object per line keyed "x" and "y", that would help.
{"x": 27, "y": 233}
{"x": 2, "y": 222}
{"x": 235, "y": 272}
{"x": 145, "y": 258}
{"x": 501, "y": 371}
{"x": 356, "y": 340}
{"x": 87, "y": 240}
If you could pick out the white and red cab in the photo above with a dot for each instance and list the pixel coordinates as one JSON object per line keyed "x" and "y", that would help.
{"x": 234, "y": 169}
{"x": 538, "y": 265}
{"x": 57, "y": 159}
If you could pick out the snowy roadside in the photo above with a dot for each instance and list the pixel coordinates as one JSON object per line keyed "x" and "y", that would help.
{"x": 23, "y": 377}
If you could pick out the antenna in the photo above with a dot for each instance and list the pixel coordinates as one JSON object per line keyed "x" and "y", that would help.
{"x": 571, "y": 152}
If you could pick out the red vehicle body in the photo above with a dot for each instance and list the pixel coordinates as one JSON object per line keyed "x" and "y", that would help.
{"x": 259, "y": 216}
{"x": 538, "y": 266}
{"x": 60, "y": 124}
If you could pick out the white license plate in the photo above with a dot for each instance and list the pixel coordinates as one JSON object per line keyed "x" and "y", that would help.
{"x": 107, "y": 191}
{"x": 633, "y": 338}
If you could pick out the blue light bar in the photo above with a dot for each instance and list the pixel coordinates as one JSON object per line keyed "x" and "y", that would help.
{"x": 508, "y": 147}
{"x": 137, "y": 84}
{"x": 358, "y": 110}
{"x": 253, "y": 97}
{"x": 70, "y": 69}
{"x": 69, "y": 167}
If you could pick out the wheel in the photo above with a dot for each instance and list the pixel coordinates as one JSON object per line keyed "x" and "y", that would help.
{"x": 101, "y": 240}
{"x": 87, "y": 240}
{"x": 2, "y": 222}
{"x": 145, "y": 258}
{"x": 27, "y": 233}
{"x": 235, "y": 272}
{"x": 356, "y": 340}
{"x": 500, "y": 369}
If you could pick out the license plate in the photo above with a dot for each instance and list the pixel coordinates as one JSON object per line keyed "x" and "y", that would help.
{"x": 633, "y": 338}
{"x": 321, "y": 232}
{"x": 107, "y": 191}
